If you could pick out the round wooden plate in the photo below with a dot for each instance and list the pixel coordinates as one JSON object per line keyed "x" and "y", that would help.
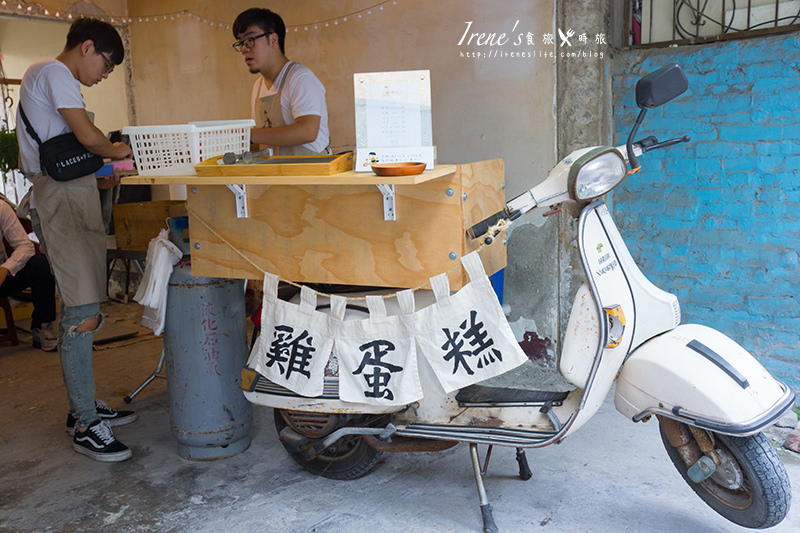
{"x": 398, "y": 169}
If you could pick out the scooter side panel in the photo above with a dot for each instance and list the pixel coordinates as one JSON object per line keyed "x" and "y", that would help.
{"x": 616, "y": 283}
{"x": 581, "y": 340}
{"x": 610, "y": 288}
{"x": 696, "y": 374}
{"x": 656, "y": 310}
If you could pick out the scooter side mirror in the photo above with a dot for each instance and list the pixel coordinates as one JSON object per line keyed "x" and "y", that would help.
{"x": 661, "y": 86}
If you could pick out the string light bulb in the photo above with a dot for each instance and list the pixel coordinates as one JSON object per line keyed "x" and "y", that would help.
{"x": 36, "y": 10}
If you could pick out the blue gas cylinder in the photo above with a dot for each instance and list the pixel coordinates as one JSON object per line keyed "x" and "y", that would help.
{"x": 205, "y": 345}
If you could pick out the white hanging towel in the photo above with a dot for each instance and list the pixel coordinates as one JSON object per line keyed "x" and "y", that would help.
{"x": 162, "y": 255}
{"x": 295, "y": 341}
{"x": 466, "y": 337}
{"x": 377, "y": 356}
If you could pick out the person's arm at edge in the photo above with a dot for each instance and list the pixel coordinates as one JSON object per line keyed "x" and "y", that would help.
{"x": 304, "y": 130}
{"x": 12, "y": 231}
{"x": 91, "y": 137}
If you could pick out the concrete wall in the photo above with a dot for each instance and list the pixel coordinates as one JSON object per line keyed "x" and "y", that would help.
{"x": 544, "y": 268}
{"x": 185, "y": 69}
{"x": 716, "y": 221}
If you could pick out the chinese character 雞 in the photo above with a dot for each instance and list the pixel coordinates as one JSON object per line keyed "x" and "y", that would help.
{"x": 291, "y": 354}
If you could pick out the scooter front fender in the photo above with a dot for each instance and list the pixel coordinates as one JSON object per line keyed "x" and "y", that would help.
{"x": 699, "y": 376}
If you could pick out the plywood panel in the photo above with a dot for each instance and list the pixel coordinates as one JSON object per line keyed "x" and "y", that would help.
{"x": 137, "y": 223}
{"x": 483, "y": 185}
{"x": 337, "y": 234}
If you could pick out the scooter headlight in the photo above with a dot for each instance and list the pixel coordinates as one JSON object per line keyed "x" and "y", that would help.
{"x": 596, "y": 173}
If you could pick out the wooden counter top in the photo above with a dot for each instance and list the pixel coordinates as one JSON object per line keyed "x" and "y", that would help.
{"x": 343, "y": 178}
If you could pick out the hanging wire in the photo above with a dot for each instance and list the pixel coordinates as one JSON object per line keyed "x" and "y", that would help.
{"x": 500, "y": 227}
{"x": 344, "y": 18}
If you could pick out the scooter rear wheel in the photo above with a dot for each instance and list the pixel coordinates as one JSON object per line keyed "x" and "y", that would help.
{"x": 751, "y": 488}
{"x": 348, "y": 458}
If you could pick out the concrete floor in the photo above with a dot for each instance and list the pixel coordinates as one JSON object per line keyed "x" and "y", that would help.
{"x": 612, "y": 476}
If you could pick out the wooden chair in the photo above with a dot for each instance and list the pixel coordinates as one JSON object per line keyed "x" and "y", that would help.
{"x": 11, "y": 330}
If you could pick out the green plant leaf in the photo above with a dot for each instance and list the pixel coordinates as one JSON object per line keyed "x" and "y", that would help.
{"x": 9, "y": 150}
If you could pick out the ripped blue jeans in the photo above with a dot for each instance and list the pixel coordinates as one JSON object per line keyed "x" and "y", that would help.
{"x": 75, "y": 350}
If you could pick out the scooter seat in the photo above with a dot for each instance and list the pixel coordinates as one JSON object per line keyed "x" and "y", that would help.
{"x": 481, "y": 395}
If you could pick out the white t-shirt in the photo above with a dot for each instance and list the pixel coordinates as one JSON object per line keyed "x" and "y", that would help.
{"x": 47, "y": 86}
{"x": 303, "y": 94}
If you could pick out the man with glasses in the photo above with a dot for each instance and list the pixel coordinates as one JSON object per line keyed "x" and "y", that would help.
{"x": 67, "y": 218}
{"x": 288, "y": 100}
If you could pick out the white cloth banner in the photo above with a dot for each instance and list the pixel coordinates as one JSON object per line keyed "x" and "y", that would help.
{"x": 377, "y": 356}
{"x": 295, "y": 341}
{"x": 466, "y": 337}
{"x": 162, "y": 256}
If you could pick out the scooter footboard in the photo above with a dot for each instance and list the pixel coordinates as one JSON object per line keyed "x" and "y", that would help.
{"x": 699, "y": 376}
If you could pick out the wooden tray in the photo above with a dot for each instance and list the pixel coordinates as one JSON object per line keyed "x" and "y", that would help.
{"x": 286, "y": 165}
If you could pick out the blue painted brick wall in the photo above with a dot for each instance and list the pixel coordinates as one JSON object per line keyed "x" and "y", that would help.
{"x": 716, "y": 221}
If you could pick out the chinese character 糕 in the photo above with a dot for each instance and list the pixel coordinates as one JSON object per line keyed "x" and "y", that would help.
{"x": 480, "y": 345}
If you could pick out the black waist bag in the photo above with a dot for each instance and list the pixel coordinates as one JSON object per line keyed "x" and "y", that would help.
{"x": 63, "y": 157}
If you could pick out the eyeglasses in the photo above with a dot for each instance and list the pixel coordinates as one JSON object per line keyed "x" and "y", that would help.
{"x": 250, "y": 42}
{"x": 109, "y": 65}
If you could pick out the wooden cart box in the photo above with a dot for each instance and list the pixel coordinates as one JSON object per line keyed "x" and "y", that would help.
{"x": 135, "y": 224}
{"x": 331, "y": 228}
{"x": 337, "y": 233}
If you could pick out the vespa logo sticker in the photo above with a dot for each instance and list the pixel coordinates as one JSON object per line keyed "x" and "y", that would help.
{"x": 606, "y": 262}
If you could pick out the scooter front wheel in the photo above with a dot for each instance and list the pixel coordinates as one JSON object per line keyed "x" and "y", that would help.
{"x": 348, "y": 458}
{"x": 749, "y": 487}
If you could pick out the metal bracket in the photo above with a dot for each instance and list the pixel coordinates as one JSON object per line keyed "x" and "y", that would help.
{"x": 389, "y": 212}
{"x": 240, "y": 191}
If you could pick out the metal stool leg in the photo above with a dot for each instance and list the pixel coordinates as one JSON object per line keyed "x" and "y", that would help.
{"x": 156, "y": 374}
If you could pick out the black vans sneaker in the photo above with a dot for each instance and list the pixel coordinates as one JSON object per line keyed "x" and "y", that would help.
{"x": 99, "y": 443}
{"x": 114, "y": 418}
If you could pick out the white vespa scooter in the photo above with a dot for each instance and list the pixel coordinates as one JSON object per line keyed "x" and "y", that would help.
{"x": 710, "y": 396}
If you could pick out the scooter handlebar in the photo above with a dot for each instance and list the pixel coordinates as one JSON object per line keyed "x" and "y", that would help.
{"x": 482, "y": 228}
{"x": 651, "y": 143}
{"x": 515, "y": 209}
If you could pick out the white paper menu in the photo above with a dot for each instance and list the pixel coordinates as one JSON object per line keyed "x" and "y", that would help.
{"x": 393, "y": 118}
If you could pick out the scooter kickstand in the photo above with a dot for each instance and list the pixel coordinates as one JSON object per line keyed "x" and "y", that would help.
{"x": 524, "y": 470}
{"x": 486, "y": 509}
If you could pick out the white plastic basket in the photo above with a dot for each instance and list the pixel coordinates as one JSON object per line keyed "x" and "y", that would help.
{"x": 176, "y": 149}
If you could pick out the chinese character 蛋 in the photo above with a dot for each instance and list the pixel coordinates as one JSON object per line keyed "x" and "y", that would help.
{"x": 378, "y": 379}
